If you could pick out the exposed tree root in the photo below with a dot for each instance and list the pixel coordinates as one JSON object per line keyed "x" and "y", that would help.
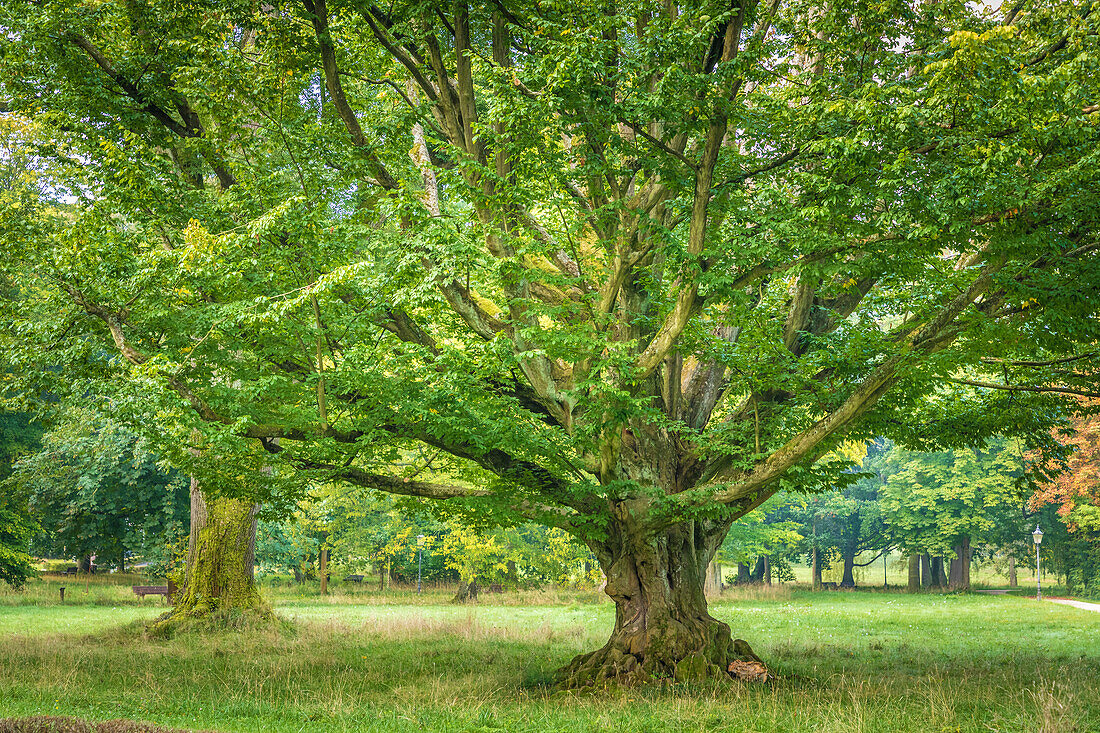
{"x": 260, "y": 618}
{"x": 614, "y": 664}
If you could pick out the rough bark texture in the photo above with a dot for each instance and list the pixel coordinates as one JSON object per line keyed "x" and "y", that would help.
{"x": 914, "y": 573}
{"x": 815, "y": 571}
{"x": 218, "y": 579}
{"x": 925, "y": 571}
{"x": 960, "y": 566}
{"x": 1012, "y": 581}
{"x": 713, "y": 585}
{"x": 662, "y": 627}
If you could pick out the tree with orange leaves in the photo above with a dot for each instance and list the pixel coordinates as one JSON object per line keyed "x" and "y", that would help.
{"x": 1076, "y": 490}
{"x": 1074, "y": 494}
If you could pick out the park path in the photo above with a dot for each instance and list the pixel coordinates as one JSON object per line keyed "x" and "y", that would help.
{"x": 1076, "y": 604}
{"x": 1064, "y": 601}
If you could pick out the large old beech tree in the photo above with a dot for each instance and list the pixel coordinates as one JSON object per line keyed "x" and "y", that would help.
{"x": 623, "y": 268}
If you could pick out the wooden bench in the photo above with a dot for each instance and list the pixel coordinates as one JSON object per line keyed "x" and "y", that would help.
{"x": 353, "y": 578}
{"x": 150, "y": 590}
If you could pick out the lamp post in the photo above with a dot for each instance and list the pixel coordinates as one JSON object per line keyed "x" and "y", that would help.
{"x": 1037, "y": 535}
{"x": 419, "y": 560}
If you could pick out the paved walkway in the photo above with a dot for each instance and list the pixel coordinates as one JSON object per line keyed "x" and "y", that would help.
{"x": 1064, "y": 601}
{"x": 1076, "y": 604}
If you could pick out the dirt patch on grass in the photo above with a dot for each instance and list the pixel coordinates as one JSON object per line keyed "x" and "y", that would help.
{"x": 52, "y": 724}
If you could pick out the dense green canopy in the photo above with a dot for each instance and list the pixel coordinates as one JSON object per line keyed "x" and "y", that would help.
{"x": 623, "y": 269}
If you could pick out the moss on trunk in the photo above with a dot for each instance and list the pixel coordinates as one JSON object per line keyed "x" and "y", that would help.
{"x": 662, "y": 627}
{"x": 218, "y": 585}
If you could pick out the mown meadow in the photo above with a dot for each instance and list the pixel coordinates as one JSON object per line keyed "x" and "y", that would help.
{"x": 367, "y": 661}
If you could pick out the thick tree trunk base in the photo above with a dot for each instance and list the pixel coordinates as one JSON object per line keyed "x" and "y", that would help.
{"x": 663, "y": 631}
{"x": 261, "y": 619}
{"x": 219, "y": 591}
{"x": 706, "y": 652}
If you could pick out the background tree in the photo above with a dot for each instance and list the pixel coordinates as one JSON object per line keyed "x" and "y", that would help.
{"x": 639, "y": 272}
{"x": 525, "y": 556}
{"x": 365, "y": 530}
{"x": 1075, "y": 490}
{"x": 764, "y": 540}
{"x": 20, "y": 188}
{"x": 949, "y": 503}
{"x": 18, "y": 434}
{"x": 1074, "y": 496}
{"x": 97, "y": 490}
{"x": 840, "y": 527}
{"x": 16, "y": 528}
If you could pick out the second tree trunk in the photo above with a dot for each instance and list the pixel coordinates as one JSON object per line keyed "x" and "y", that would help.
{"x": 218, "y": 578}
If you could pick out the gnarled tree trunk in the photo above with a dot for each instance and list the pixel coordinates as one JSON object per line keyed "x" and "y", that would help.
{"x": 218, "y": 578}
{"x": 914, "y": 574}
{"x": 662, "y": 626}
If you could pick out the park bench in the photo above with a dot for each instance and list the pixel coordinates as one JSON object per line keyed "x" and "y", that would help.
{"x": 150, "y": 590}
{"x": 353, "y": 578}
{"x": 69, "y": 571}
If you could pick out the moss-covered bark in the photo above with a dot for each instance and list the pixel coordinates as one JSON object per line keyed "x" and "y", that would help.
{"x": 218, "y": 582}
{"x": 662, "y": 627}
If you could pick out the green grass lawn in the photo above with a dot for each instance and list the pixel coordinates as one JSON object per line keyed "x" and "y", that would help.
{"x": 848, "y": 662}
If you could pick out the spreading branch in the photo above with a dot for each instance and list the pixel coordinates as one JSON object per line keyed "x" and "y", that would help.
{"x": 1053, "y": 389}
